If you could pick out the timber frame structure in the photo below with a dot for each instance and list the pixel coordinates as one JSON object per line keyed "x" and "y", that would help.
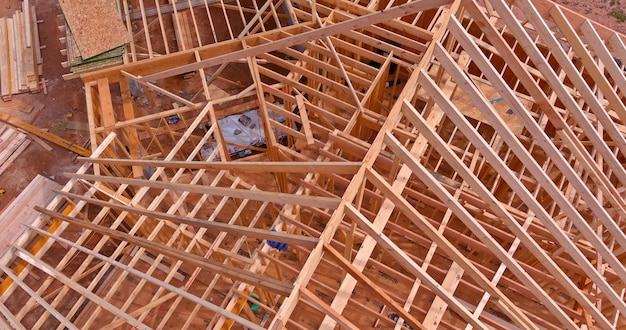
{"x": 445, "y": 163}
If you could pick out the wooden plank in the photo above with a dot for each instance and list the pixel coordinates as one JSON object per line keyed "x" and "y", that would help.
{"x": 38, "y": 192}
{"x": 12, "y": 56}
{"x": 306, "y": 125}
{"x": 184, "y": 38}
{"x": 5, "y": 73}
{"x": 107, "y": 113}
{"x": 67, "y": 324}
{"x": 240, "y": 167}
{"x": 18, "y": 37}
{"x": 28, "y": 52}
{"x": 10, "y": 144}
{"x": 27, "y": 23}
{"x": 279, "y": 198}
{"x": 134, "y": 145}
{"x": 35, "y": 28}
{"x": 159, "y": 89}
{"x": 14, "y": 156}
{"x": 10, "y": 318}
{"x": 39, "y": 141}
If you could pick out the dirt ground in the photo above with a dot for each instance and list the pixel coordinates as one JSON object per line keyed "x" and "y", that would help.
{"x": 67, "y": 97}
{"x": 611, "y": 13}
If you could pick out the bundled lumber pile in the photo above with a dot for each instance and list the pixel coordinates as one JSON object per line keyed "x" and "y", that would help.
{"x": 12, "y": 144}
{"x": 20, "y": 55}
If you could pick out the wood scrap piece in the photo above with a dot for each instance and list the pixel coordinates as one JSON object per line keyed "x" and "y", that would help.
{"x": 16, "y": 105}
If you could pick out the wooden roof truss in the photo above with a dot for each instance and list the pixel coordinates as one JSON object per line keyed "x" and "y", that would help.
{"x": 441, "y": 164}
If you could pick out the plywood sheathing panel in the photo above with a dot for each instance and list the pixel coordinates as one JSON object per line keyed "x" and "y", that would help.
{"x": 96, "y": 25}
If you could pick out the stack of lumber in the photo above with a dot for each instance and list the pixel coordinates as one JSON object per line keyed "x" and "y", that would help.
{"x": 37, "y": 193}
{"x": 12, "y": 144}
{"x": 20, "y": 54}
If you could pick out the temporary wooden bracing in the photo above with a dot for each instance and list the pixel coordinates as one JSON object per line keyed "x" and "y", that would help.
{"x": 442, "y": 163}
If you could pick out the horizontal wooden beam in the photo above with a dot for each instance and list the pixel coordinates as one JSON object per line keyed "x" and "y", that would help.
{"x": 239, "y": 167}
{"x": 266, "y": 196}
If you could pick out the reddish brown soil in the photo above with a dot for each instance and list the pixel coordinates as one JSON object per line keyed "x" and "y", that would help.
{"x": 602, "y": 11}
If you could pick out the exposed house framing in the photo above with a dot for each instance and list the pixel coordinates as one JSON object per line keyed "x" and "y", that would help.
{"x": 447, "y": 164}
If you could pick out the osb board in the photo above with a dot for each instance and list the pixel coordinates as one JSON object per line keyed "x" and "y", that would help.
{"x": 465, "y": 105}
{"x": 95, "y": 24}
{"x": 38, "y": 192}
